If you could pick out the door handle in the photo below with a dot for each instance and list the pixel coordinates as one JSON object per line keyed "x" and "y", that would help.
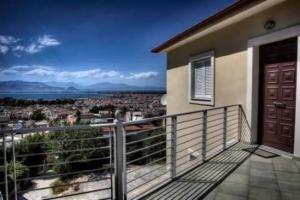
{"x": 279, "y": 104}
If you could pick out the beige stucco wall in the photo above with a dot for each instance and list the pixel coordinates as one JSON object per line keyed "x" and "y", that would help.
{"x": 230, "y": 47}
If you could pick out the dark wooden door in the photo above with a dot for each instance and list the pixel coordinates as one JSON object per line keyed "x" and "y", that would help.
{"x": 279, "y": 94}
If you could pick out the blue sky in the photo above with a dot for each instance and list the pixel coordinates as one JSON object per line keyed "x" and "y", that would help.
{"x": 93, "y": 41}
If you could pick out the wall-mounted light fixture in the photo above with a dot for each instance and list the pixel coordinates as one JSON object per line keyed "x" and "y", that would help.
{"x": 270, "y": 24}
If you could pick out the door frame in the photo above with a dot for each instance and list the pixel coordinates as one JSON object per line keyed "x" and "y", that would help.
{"x": 252, "y": 90}
{"x": 261, "y": 100}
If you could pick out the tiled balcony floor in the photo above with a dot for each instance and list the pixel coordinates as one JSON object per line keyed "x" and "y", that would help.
{"x": 259, "y": 178}
{"x": 254, "y": 177}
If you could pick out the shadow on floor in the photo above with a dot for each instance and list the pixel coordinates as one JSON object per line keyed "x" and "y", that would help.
{"x": 197, "y": 183}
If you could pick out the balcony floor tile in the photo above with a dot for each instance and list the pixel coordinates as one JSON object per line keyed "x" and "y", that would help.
{"x": 242, "y": 177}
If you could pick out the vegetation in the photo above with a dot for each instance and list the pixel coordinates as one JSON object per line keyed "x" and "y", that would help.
{"x": 68, "y": 153}
{"x": 60, "y": 186}
{"x": 110, "y": 108}
{"x": 38, "y": 115}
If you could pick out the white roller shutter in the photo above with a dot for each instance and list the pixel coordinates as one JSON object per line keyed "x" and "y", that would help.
{"x": 203, "y": 85}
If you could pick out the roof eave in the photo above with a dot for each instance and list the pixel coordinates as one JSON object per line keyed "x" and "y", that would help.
{"x": 214, "y": 20}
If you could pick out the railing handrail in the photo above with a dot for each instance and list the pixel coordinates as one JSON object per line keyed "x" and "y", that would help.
{"x": 120, "y": 159}
{"x": 76, "y": 127}
{"x": 176, "y": 115}
{"x": 55, "y": 128}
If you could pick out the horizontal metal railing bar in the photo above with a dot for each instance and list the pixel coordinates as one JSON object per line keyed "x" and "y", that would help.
{"x": 150, "y": 172}
{"x": 218, "y": 135}
{"x": 213, "y": 131}
{"x": 243, "y": 116}
{"x": 64, "y": 174}
{"x": 215, "y": 114}
{"x": 146, "y": 120}
{"x": 213, "y": 120}
{"x": 189, "y": 133}
{"x": 232, "y": 136}
{"x": 215, "y": 141}
{"x": 230, "y": 120}
{"x": 188, "y": 120}
{"x": 231, "y": 129}
{"x": 143, "y": 131}
{"x": 174, "y": 115}
{"x": 145, "y": 139}
{"x": 155, "y": 161}
{"x": 214, "y": 125}
{"x": 68, "y": 162}
{"x": 181, "y": 150}
{"x": 184, "y": 163}
{"x": 56, "y": 128}
{"x": 194, "y": 150}
{"x": 55, "y": 186}
{"x": 59, "y": 152}
{"x": 68, "y": 140}
{"x": 148, "y": 147}
{"x": 190, "y": 140}
{"x": 76, "y": 127}
{"x": 148, "y": 181}
{"x": 214, "y": 148}
{"x": 230, "y": 111}
{"x": 187, "y": 127}
{"x": 75, "y": 194}
{"x": 232, "y": 115}
{"x": 143, "y": 157}
{"x": 232, "y": 125}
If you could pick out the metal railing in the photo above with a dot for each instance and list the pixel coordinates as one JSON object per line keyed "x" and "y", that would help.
{"x": 122, "y": 160}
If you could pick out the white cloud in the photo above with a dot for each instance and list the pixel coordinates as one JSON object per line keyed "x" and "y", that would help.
{"x": 48, "y": 40}
{"x": 54, "y": 73}
{"x": 143, "y": 75}
{"x": 9, "y": 72}
{"x": 20, "y": 67}
{"x": 33, "y": 48}
{"x": 39, "y": 72}
{"x": 3, "y": 49}
{"x": 31, "y": 67}
{"x": 7, "y": 40}
{"x": 93, "y": 73}
{"x": 41, "y": 43}
{"x": 19, "y": 48}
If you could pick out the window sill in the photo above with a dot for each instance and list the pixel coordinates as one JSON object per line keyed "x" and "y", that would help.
{"x": 202, "y": 102}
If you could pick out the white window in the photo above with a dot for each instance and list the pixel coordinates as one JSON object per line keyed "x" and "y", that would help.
{"x": 202, "y": 79}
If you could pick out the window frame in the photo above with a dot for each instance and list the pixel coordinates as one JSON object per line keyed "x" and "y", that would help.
{"x": 201, "y": 100}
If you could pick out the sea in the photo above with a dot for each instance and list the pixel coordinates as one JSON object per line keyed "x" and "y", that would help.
{"x": 52, "y": 96}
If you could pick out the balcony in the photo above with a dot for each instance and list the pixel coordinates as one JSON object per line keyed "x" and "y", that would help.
{"x": 203, "y": 154}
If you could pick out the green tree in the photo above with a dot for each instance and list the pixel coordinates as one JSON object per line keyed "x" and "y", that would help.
{"x": 37, "y": 115}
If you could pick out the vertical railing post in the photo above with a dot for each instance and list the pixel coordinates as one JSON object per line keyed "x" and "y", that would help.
{"x": 204, "y": 134}
{"x": 111, "y": 162}
{"x": 120, "y": 159}
{"x": 14, "y": 165}
{"x": 225, "y": 129}
{"x": 239, "y": 123}
{"x": 173, "y": 145}
{"x": 5, "y": 166}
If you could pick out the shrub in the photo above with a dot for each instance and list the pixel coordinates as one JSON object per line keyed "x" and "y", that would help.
{"x": 59, "y": 186}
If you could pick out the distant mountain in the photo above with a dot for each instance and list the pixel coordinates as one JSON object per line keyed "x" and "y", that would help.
{"x": 31, "y": 87}
{"x": 64, "y": 84}
{"x": 106, "y": 86}
{"x": 56, "y": 87}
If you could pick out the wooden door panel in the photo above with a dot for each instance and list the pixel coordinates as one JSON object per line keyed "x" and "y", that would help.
{"x": 279, "y": 94}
